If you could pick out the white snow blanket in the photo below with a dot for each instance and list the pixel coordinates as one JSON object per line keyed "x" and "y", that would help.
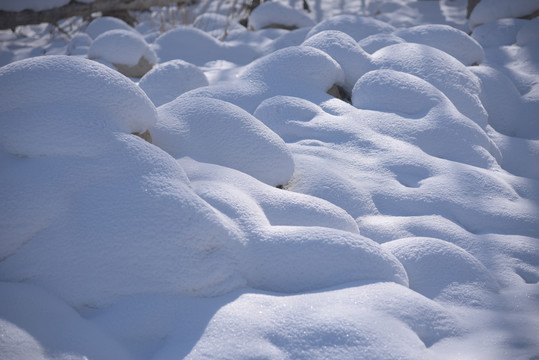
{"x": 363, "y": 187}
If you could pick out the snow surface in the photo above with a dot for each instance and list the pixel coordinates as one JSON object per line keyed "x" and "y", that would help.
{"x": 106, "y": 23}
{"x": 170, "y": 79}
{"x": 122, "y": 47}
{"x": 366, "y": 186}
{"x": 275, "y": 14}
{"x": 491, "y": 10}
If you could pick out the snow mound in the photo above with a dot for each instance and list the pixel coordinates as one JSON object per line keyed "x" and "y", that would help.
{"x": 442, "y": 271}
{"x": 276, "y": 14}
{"x": 126, "y": 50}
{"x": 443, "y": 71}
{"x": 269, "y": 257}
{"x": 198, "y": 47}
{"x": 529, "y": 33}
{"x": 491, "y": 10}
{"x": 46, "y": 112}
{"x": 312, "y": 72}
{"x": 291, "y": 38}
{"x": 27, "y": 314}
{"x": 375, "y": 42}
{"x": 395, "y": 91}
{"x": 319, "y": 249}
{"x": 166, "y": 81}
{"x": 79, "y": 44}
{"x": 345, "y": 50}
{"x": 337, "y": 324}
{"x": 80, "y": 222}
{"x": 210, "y": 22}
{"x": 508, "y": 112}
{"x": 264, "y": 205}
{"x": 498, "y": 33}
{"x": 446, "y": 38}
{"x": 309, "y": 68}
{"x": 283, "y": 114}
{"x": 358, "y": 27}
{"x": 106, "y": 23}
{"x": 218, "y": 132}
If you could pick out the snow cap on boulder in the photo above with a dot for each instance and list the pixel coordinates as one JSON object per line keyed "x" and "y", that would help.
{"x": 126, "y": 50}
{"x": 198, "y": 47}
{"x": 166, "y": 81}
{"x": 446, "y": 38}
{"x": 304, "y": 66}
{"x": 106, "y": 23}
{"x": 61, "y": 105}
{"x": 440, "y": 270}
{"x": 218, "y": 132}
{"x": 358, "y": 27}
{"x": 443, "y": 71}
{"x": 345, "y": 50}
{"x": 278, "y": 15}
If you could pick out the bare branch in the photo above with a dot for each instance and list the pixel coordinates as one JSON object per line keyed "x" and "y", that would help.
{"x": 11, "y": 19}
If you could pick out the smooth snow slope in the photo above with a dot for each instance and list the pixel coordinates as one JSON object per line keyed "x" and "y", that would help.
{"x": 366, "y": 186}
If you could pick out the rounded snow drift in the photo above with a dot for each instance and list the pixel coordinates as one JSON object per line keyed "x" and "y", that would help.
{"x": 79, "y": 44}
{"x": 106, "y": 23}
{"x": 358, "y": 27}
{"x": 168, "y": 80}
{"x": 435, "y": 266}
{"x": 375, "y": 42}
{"x": 443, "y": 71}
{"x": 278, "y": 15}
{"x": 190, "y": 44}
{"x": 395, "y": 91}
{"x": 124, "y": 49}
{"x": 61, "y": 105}
{"x": 219, "y": 132}
{"x": 299, "y": 65}
{"x": 446, "y": 38}
{"x": 345, "y": 50}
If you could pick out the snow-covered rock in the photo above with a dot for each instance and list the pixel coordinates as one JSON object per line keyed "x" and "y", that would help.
{"x": 91, "y": 211}
{"x": 375, "y": 42}
{"x": 529, "y": 33}
{"x": 440, "y": 69}
{"x": 27, "y": 316}
{"x": 331, "y": 254}
{"x": 79, "y": 44}
{"x": 103, "y": 24}
{"x": 126, "y": 50}
{"x": 168, "y": 80}
{"x": 508, "y": 113}
{"x": 198, "y": 47}
{"x": 209, "y": 22}
{"x": 358, "y": 27}
{"x": 491, "y": 10}
{"x": 446, "y": 38}
{"x": 395, "y": 91}
{"x": 342, "y": 323}
{"x": 498, "y": 33}
{"x": 276, "y": 14}
{"x": 44, "y": 96}
{"x": 345, "y": 50}
{"x": 441, "y": 270}
{"x": 312, "y": 72}
{"x": 218, "y": 132}
{"x": 309, "y": 69}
